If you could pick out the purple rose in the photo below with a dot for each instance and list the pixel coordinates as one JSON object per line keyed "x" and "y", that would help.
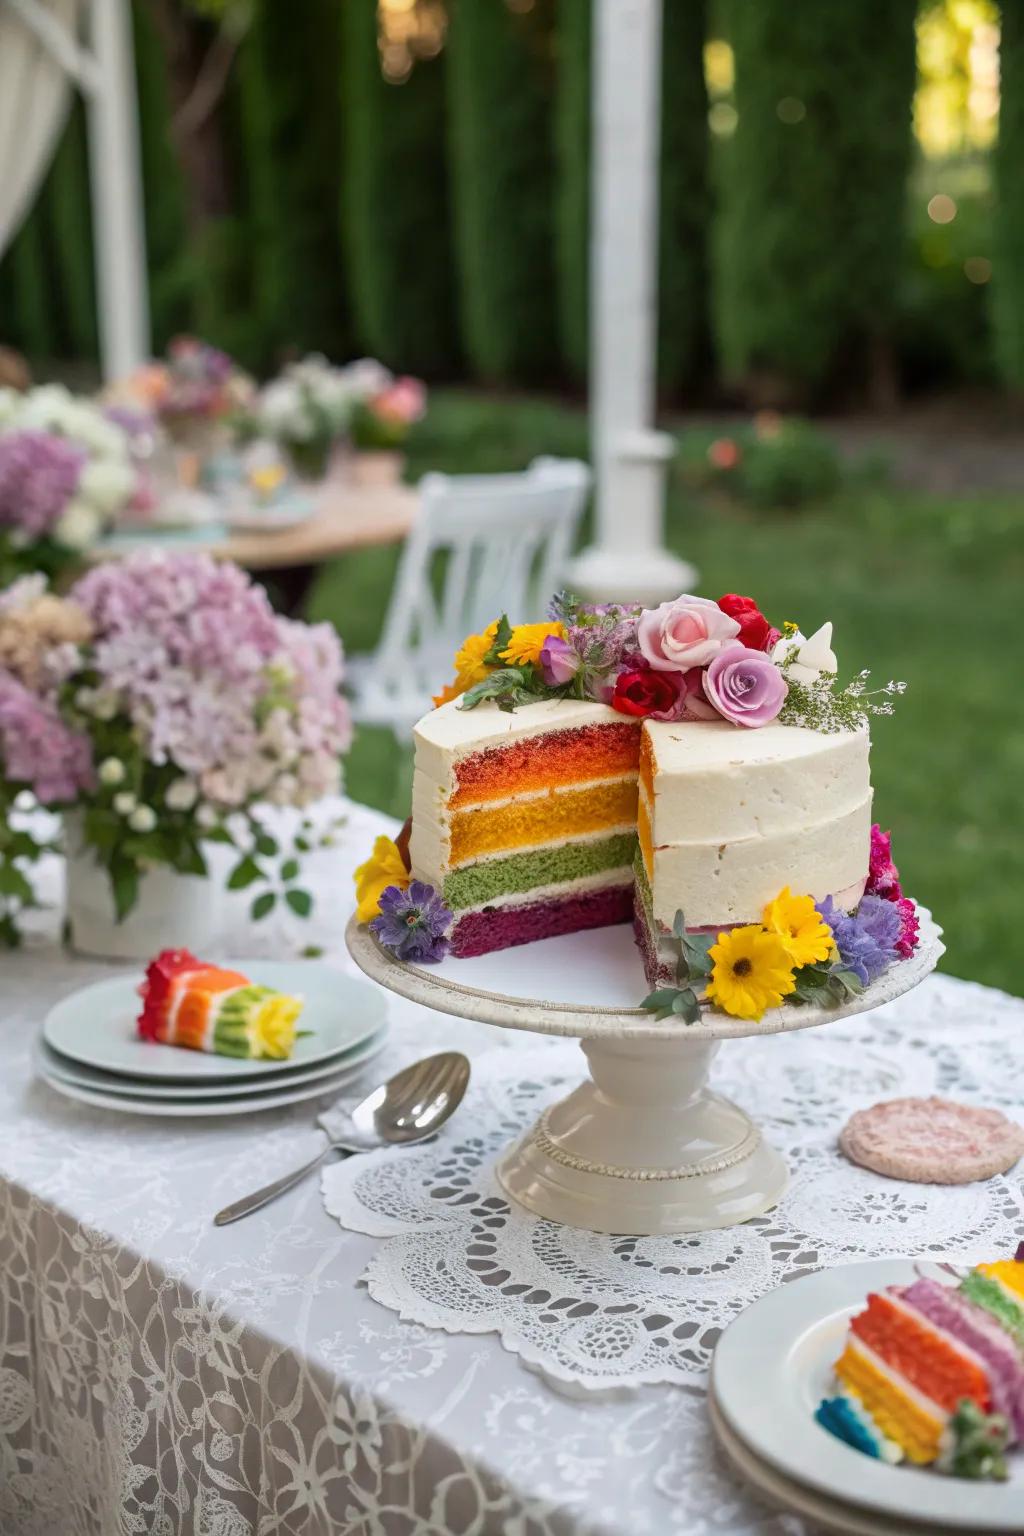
{"x": 745, "y": 686}
{"x": 559, "y": 661}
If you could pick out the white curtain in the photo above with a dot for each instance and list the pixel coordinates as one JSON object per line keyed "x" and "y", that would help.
{"x": 35, "y": 94}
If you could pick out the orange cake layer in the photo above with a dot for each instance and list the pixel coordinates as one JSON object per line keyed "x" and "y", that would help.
{"x": 927, "y": 1360}
{"x": 544, "y": 819}
{"x": 546, "y": 762}
{"x": 896, "y": 1415}
{"x": 647, "y": 765}
{"x": 643, "y": 829}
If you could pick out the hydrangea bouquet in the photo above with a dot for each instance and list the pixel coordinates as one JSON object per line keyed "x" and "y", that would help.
{"x": 308, "y": 408}
{"x": 65, "y": 473}
{"x": 164, "y": 702}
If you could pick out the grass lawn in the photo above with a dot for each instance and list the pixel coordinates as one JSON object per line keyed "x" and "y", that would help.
{"x": 918, "y": 588}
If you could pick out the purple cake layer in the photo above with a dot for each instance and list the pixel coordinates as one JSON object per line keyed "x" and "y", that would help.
{"x": 477, "y": 933}
{"x": 991, "y": 1343}
{"x": 657, "y": 972}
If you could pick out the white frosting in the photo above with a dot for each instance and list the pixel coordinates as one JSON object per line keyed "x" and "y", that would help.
{"x": 737, "y": 814}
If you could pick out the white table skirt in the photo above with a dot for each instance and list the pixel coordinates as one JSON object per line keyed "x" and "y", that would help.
{"x": 159, "y": 1375}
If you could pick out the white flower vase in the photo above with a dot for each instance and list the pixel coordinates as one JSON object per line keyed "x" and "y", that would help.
{"x": 377, "y": 467}
{"x": 173, "y": 911}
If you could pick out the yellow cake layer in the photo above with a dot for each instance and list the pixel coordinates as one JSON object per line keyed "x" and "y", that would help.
{"x": 896, "y": 1414}
{"x": 543, "y": 819}
{"x": 1008, "y": 1273}
{"x": 643, "y": 830}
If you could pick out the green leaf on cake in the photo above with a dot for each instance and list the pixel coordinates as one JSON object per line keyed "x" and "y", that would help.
{"x": 508, "y": 687}
{"x": 673, "y": 1002}
{"x": 493, "y": 657}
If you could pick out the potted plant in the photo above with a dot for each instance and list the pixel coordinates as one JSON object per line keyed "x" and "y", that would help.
{"x": 160, "y": 707}
{"x": 65, "y": 473}
{"x": 307, "y": 409}
{"x": 380, "y": 426}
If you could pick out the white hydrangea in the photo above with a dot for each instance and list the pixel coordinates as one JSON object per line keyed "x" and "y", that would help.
{"x": 78, "y": 525}
{"x": 111, "y": 771}
{"x": 107, "y": 484}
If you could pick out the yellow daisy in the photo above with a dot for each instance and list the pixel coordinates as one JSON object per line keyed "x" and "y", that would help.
{"x": 526, "y": 640}
{"x": 751, "y": 971}
{"x": 470, "y": 666}
{"x": 800, "y": 926}
{"x": 384, "y": 867}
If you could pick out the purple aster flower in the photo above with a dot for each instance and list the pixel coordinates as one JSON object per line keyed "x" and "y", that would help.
{"x": 866, "y": 939}
{"x": 413, "y": 923}
{"x": 39, "y": 474}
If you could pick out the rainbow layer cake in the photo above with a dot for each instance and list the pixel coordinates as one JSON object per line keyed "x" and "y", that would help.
{"x": 934, "y": 1373}
{"x": 188, "y": 1002}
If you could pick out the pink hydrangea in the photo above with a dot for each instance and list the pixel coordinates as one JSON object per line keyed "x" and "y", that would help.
{"x": 39, "y": 474}
{"x": 37, "y": 749}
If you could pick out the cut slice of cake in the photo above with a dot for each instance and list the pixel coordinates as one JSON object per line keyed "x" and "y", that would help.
{"x": 205, "y": 1007}
{"x": 525, "y": 822}
{"x": 935, "y": 1373}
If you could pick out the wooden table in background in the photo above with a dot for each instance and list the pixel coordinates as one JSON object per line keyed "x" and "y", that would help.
{"x": 347, "y": 517}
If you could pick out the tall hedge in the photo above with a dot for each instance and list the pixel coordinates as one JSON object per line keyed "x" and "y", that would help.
{"x": 394, "y": 204}
{"x": 169, "y": 259}
{"x": 1007, "y": 289}
{"x": 572, "y": 202}
{"x": 287, "y": 164}
{"x": 685, "y": 199}
{"x": 500, "y": 76}
{"x": 810, "y": 234}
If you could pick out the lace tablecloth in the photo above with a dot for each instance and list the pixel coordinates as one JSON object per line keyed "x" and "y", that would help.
{"x": 159, "y": 1375}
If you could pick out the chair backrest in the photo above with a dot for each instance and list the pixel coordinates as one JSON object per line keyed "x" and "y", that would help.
{"x": 505, "y": 542}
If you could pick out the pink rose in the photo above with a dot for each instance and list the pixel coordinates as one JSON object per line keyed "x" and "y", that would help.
{"x": 404, "y": 402}
{"x": 686, "y": 633}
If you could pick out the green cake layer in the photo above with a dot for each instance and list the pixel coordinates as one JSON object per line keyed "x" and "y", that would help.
{"x": 988, "y": 1293}
{"x": 478, "y": 884}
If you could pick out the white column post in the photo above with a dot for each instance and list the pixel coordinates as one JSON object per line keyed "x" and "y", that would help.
{"x": 627, "y": 559}
{"x": 118, "y": 227}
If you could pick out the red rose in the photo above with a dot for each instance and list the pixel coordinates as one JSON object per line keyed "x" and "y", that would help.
{"x": 755, "y": 631}
{"x": 660, "y": 695}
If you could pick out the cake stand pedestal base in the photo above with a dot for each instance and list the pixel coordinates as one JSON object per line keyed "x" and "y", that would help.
{"x": 644, "y": 1147}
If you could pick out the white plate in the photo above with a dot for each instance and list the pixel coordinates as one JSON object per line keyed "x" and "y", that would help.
{"x": 272, "y": 519}
{"x": 774, "y": 1364}
{"x": 207, "y": 1109}
{"x": 51, "y": 1065}
{"x": 97, "y": 1024}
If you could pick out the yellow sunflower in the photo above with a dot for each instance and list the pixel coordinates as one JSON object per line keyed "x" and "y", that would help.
{"x": 470, "y": 667}
{"x": 384, "y": 867}
{"x": 800, "y": 926}
{"x": 751, "y": 971}
{"x": 526, "y": 640}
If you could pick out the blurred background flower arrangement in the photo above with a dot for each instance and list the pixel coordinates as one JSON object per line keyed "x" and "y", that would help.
{"x": 66, "y": 473}
{"x": 158, "y": 706}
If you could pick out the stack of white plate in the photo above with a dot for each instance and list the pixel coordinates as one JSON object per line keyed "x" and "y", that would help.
{"x": 773, "y": 1366}
{"x": 89, "y": 1048}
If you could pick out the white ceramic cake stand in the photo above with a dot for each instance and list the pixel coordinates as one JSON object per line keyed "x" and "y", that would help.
{"x": 644, "y": 1147}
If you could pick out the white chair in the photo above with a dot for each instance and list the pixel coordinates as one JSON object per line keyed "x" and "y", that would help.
{"x": 482, "y": 545}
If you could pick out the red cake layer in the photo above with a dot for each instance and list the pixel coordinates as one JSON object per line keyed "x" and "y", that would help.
{"x": 500, "y": 927}
{"x": 573, "y": 756}
{"x": 658, "y": 974}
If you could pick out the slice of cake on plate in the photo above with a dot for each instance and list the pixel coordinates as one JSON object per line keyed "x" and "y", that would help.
{"x": 934, "y": 1373}
{"x": 205, "y": 1007}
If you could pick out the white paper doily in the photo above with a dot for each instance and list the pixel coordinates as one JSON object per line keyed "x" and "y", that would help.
{"x": 597, "y": 1313}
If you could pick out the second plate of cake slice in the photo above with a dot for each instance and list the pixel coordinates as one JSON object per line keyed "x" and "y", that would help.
{"x": 98, "y": 1025}
{"x": 775, "y": 1369}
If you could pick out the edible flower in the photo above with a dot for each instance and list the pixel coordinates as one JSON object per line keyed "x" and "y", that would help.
{"x": 751, "y": 971}
{"x": 866, "y": 939}
{"x": 805, "y": 660}
{"x": 650, "y": 695}
{"x": 910, "y": 928}
{"x": 688, "y": 632}
{"x": 385, "y": 867}
{"x": 755, "y": 630}
{"x": 801, "y": 927}
{"x": 413, "y": 923}
{"x": 559, "y": 661}
{"x": 527, "y": 641}
{"x": 471, "y": 665}
{"x": 883, "y": 876}
{"x": 745, "y": 686}
{"x": 448, "y": 692}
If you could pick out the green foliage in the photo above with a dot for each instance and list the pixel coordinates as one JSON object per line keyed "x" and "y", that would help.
{"x": 572, "y": 198}
{"x": 501, "y": 157}
{"x": 290, "y": 120}
{"x": 19, "y": 850}
{"x": 809, "y": 242}
{"x": 788, "y": 464}
{"x": 1008, "y": 266}
{"x": 394, "y": 204}
{"x": 685, "y": 210}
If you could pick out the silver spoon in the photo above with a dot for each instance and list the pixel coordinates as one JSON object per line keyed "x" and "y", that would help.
{"x": 409, "y": 1107}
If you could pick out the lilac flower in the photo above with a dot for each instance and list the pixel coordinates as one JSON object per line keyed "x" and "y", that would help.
{"x": 744, "y": 685}
{"x": 39, "y": 474}
{"x": 37, "y": 749}
{"x": 866, "y": 939}
{"x": 413, "y": 923}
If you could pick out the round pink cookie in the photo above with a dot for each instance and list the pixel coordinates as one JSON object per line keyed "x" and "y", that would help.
{"x": 932, "y": 1141}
